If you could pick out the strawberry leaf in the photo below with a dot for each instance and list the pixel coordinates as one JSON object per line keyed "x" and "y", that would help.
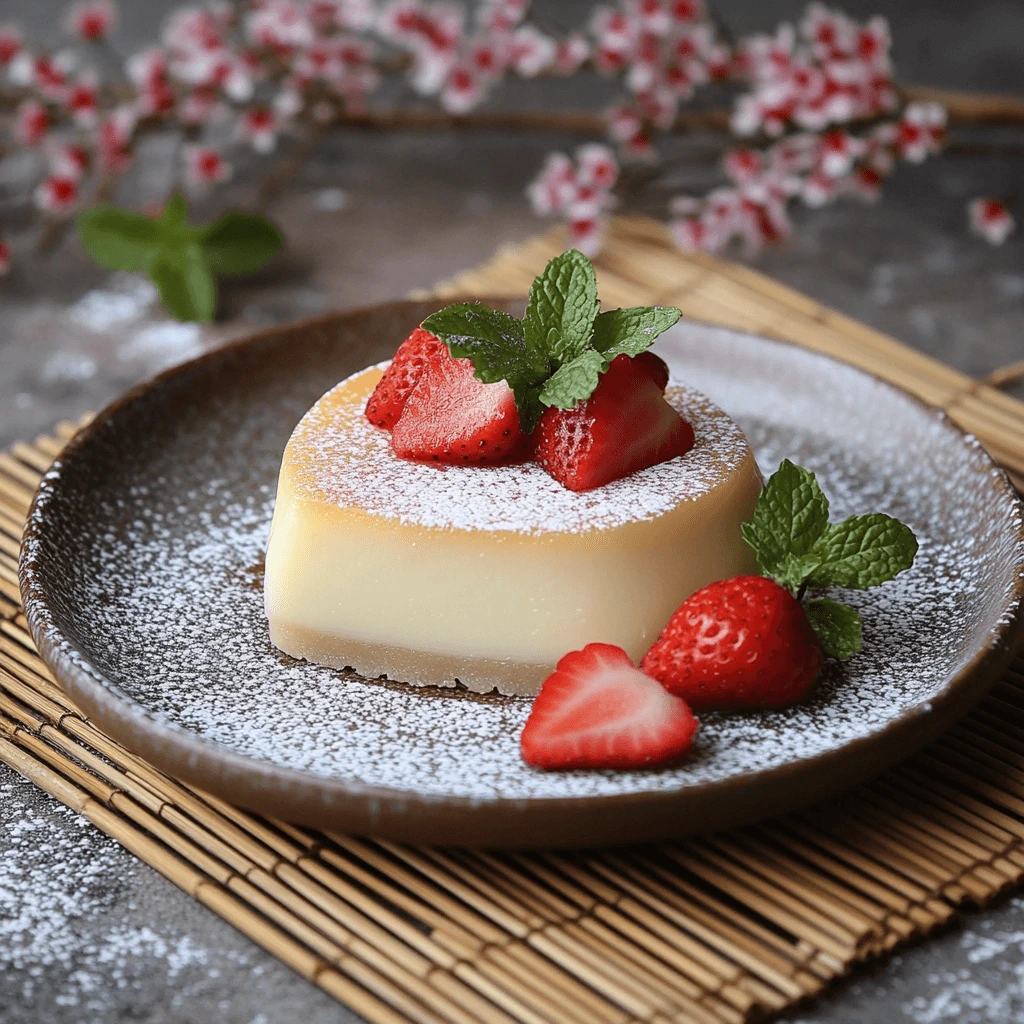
{"x": 633, "y": 330}
{"x": 562, "y": 307}
{"x": 837, "y": 626}
{"x": 790, "y": 516}
{"x": 862, "y": 552}
{"x": 573, "y": 381}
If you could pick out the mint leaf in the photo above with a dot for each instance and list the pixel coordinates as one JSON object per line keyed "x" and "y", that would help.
{"x": 562, "y": 307}
{"x": 790, "y": 516}
{"x": 175, "y": 212}
{"x": 185, "y": 284}
{"x": 862, "y": 552}
{"x": 837, "y": 626}
{"x": 118, "y": 239}
{"x": 633, "y": 330}
{"x": 239, "y": 242}
{"x": 494, "y": 341}
{"x": 574, "y": 381}
{"x": 528, "y": 405}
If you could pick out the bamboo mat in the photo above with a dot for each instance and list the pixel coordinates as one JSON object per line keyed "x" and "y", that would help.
{"x": 720, "y": 930}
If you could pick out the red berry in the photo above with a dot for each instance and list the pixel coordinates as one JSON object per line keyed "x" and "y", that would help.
{"x": 625, "y": 426}
{"x": 740, "y": 643}
{"x": 388, "y": 400}
{"x": 655, "y": 366}
{"x": 453, "y": 417}
{"x": 598, "y": 710}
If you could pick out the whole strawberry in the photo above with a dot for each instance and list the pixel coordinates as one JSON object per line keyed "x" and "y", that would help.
{"x": 742, "y": 642}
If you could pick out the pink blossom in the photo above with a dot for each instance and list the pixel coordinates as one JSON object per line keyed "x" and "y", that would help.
{"x": 597, "y": 166}
{"x": 989, "y": 219}
{"x": 554, "y": 187}
{"x": 462, "y": 91}
{"x": 91, "y": 19}
{"x": 288, "y": 102}
{"x": 49, "y": 75}
{"x": 353, "y": 15}
{"x": 10, "y": 43}
{"x": 587, "y": 235}
{"x": 259, "y": 128}
{"x": 570, "y": 54}
{"x": 653, "y": 16}
{"x": 686, "y": 10}
{"x": 5, "y": 258}
{"x": 69, "y": 161}
{"x": 693, "y": 233}
{"x": 204, "y": 165}
{"x": 532, "y": 51}
{"x": 920, "y": 131}
{"x": 82, "y": 101}
{"x": 838, "y": 151}
{"x": 202, "y": 105}
{"x": 819, "y": 189}
{"x": 57, "y": 193}
{"x": 280, "y": 24}
{"x": 112, "y": 140}
{"x": 742, "y": 165}
{"x": 31, "y": 123}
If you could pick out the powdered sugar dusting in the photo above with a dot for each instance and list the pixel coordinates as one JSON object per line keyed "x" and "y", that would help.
{"x": 173, "y": 604}
{"x": 346, "y": 461}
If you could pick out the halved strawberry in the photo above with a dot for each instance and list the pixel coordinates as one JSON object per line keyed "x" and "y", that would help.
{"x": 453, "y": 417}
{"x": 744, "y": 642}
{"x": 624, "y": 426}
{"x": 414, "y": 355}
{"x": 598, "y": 710}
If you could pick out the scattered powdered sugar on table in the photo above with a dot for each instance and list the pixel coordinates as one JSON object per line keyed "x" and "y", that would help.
{"x": 63, "y": 937}
{"x": 341, "y": 458}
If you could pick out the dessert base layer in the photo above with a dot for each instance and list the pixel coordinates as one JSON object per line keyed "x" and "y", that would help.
{"x": 419, "y": 668}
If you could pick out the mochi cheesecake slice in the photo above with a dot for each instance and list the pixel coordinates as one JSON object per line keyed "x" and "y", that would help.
{"x": 486, "y": 574}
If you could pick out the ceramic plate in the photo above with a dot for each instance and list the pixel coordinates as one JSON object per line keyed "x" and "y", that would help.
{"x": 142, "y": 578}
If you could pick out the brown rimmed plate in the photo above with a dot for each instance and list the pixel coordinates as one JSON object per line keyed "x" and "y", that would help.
{"x": 141, "y": 573}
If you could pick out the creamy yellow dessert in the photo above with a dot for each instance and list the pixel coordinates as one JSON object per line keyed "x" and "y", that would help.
{"x": 487, "y": 575}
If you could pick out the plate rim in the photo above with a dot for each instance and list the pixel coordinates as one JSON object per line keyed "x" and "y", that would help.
{"x": 172, "y": 747}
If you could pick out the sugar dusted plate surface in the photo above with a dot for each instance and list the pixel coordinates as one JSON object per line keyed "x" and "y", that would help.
{"x": 142, "y": 577}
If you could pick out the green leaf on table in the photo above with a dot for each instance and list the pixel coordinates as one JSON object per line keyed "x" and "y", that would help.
{"x": 862, "y": 551}
{"x": 633, "y": 330}
{"x": 573, "y": 381}
{"x": 562, "y": 307}
{"x": 118, "y": 239}
{"x": 186, "y": 286}
{"x": 837, "y": 626}
{"x": 239, "y": 242}
{"x": 791, "y": 515}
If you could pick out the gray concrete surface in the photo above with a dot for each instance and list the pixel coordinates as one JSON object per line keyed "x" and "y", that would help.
{"x": 88, "y": 935}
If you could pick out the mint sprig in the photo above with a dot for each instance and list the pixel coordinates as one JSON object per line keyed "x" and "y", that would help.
{"x": 181, "y": 259}
{"x": 556, "y": 354}
{"x": 801, "y": 550}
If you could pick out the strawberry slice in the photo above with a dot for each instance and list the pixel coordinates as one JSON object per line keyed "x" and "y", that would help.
{"x": 414, "y": 355}
{"x": 624, "y": 426}
{"x": 598, "y": 710}
{"x": 452, "y": 417}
